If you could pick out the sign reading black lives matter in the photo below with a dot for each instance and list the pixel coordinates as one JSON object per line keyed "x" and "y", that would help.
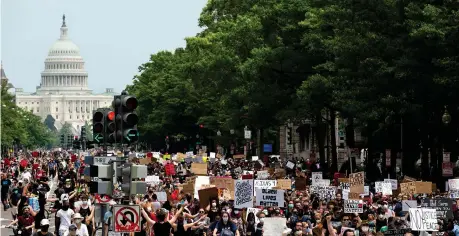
{"x": 443, "y": 206}
{"x": 328, "y": 192}
{"x": 243, "y": 193}
{"x": 353, "y": 206}
{"x": 270, "y": 197}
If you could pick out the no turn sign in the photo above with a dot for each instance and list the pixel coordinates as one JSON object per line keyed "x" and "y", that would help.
{"x": 126, "y": 218}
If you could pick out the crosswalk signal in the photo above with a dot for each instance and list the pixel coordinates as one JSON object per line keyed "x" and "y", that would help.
{"x": 289, "y": 135}
{"x": 126, "y": 118}
{"x": 131, "y": 175}
{"x": 98, "y": 126}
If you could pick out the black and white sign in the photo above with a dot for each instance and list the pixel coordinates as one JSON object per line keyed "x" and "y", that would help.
{"x": 315, "y": 176}
{"x": 126, "y": 218}
{"x": 270, "y": 197}
{"x": 443, "y": 206}
{"x": 243, "y": 193}
{"x": 265, "y": 184}
{"x": 328, "y": 192}
{"x": 353, "y": 206}
{"x": 423, "y": 219}
{"x": 104, "y": 160}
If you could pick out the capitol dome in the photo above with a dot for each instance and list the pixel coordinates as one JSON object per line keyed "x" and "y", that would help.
{"x": 64, "y": 67}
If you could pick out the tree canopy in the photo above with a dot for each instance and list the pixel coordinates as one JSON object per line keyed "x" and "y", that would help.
{"x": 20, "y": 127}
{"x": 261, "y": 63}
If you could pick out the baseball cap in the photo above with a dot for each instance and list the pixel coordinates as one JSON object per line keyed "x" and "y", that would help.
{"x": 72, "y": 227}
{"x": 44, "y": 222}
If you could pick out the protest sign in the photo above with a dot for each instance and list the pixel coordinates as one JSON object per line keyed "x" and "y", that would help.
{"x": 322, "y": 182}
{"x": 356, "y": 182}
{"x": 265, "y": 184}
{"x": 152, "y": 180}
{"x": 422, "y": 219}
{"x": 206, "y": 195}
{"x": 274, "y": 226}
{"x": 344, "y": 184}
{"x": 443, "y": 206}
{"x": 243, "y": 193}
{"x": 453, "y": 184}
{"x": 315, "y": 176}
{"x": 328, "y": 192}
{"x": 393, "y": 183}
{"x": 353, "y": 206}
{"x": 396, "y": 232}
{"x": 270, "y": 197}
{"x": 199, "y": 168}
{"x": 300, "y": 183}
{"x": 407, "y": 204}
{"x": 263, "y": 174}
{"x": 162, "y": 196}
{"x": 285, "y": 184}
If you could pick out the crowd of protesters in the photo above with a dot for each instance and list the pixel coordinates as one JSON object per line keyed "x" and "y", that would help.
{"x": 51, "y": 186}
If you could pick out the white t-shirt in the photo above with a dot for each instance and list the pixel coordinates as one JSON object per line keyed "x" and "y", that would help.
{"x": 82, "y": 231}
{"x": 26, "y": 175}
{"x": 65, "y": 217}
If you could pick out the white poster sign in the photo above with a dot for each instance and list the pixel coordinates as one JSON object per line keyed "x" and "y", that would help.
{"x": 254, "y": 211}
{"x": 243, "y": 193}
{"x": 393, "y": 182}
{"x": 265, "y": 184}
{"x": 322, "y": 182}
{"x": 270, "y": 197}
{"x": 453, "y": 184}
{"x": 315, "y": 176}
{"x": 423, "y": 219}
{"x": 353, "y": 206}
{"x": 274, "y": 226}
{"x": 263, "y": 174}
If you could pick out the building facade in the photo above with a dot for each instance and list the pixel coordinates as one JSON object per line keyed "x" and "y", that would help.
{"x": 63, "y": 92}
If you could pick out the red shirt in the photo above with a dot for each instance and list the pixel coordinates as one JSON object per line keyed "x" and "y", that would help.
{"x": 39, "y": 174}
{"x": 23, "y": 163}
{"x": 6, "y": 162}
{"x": 35, "y": 166}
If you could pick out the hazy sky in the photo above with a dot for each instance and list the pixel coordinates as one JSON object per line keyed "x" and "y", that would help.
{"x": 114, "y": 36}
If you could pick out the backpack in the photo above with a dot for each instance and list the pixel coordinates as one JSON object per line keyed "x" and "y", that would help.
{"x": 226, "y": 232}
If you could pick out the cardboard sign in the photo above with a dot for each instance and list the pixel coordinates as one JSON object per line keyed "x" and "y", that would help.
{"x": 300, "y": 184}
{"x": 199, "y": 168}
{"x": 422, "y": 219}
{"x": 356, "y": 182}
{"x": 205, "y": 196}
{"x": 416, "y": 187}
{"x": 285, "y": 184}
{"x": 344, "y": 184}
{"x": 270, "y": 197}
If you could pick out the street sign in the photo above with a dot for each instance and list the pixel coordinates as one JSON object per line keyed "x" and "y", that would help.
{"x": 98, "y": 138}
{"x": 103, "y": 160}
{"x": 126, "y": 218}
{"x": 247, "y": 134}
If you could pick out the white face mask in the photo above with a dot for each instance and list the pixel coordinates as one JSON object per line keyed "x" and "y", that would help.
{"x": 225, "y": 219}
{"x": 214, "y": 204}
{"x": 77, "y": 221}
{"x": 262, "y": 220}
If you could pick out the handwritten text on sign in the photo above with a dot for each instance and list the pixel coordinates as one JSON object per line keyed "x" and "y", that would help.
{"x": 270, "y": 197}
{"x": 356, "y": 182}
{"x": 265, "y": 184}
{"x": 243, "y": 193}
{"x": 422, "y": 219}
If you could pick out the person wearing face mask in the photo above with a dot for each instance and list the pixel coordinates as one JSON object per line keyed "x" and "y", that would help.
{"x": 225, "y": 227}
{"x": 213, "y": 210}
{"x": 81, "y": 229}
{"x": 64, "y": 216}
{"x": 237, "y": 219}
{"x": 44, "y": 228}
{"x": 25, "y": 222}
{"x": 87, "y": 212}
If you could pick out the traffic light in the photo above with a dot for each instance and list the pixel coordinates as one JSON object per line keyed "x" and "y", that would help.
{"x": 126, "y": 118}
{"x": 289, "y": 135}
{"x": 69, "y": 141}
{"x": 83, "y": 132}
{"x": 104, "y": 184}
{"x": 76, "y": 144}
{"x": 62, "y": 139}
{"x": 130, "y": 172}
{"x": 110, "y": 127}
{"x": 98, "y": 126}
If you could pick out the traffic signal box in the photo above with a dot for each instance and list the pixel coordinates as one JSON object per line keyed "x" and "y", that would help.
{"x": 126, "y": 118}
{"x": 105, "y": 174}
{"x": 98, "y": 126}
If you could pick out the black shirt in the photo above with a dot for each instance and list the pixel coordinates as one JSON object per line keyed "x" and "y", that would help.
{"x": 162, "y": 228}
{"x": 5, "y": 187}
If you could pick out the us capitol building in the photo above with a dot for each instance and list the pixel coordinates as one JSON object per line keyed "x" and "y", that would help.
{"x": 63, "y": 92}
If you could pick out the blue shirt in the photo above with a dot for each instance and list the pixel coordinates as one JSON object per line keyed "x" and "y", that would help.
{"x": 456, "y": 230}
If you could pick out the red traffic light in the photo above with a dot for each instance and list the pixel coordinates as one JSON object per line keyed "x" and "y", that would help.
{"x": 98, "y": 128}
{"x": 111, "y": 115}
{"x": 201, "y": 126}
{"x": 76, "y": 137}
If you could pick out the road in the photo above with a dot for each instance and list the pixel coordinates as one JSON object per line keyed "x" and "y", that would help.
{"x": 6, "y": 216}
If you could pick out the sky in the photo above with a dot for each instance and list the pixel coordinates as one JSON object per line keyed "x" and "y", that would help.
{"x": 115, "y": 37}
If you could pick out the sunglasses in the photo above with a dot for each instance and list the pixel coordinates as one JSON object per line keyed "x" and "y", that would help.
{"x": 201, "y": 211}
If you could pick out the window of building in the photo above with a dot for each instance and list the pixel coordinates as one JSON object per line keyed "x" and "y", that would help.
{"x": 78, "y": 117}
{"x": 26, "y": 108}
{"x": 57, "y": 117}
{"x": 70, "y": 117}
{"x": 26, "y": 103}
{"x": 81, "y": 109}
{"x": 57, "y": 109}
{"x": 38, "y": 109}
{"x": 33, "y": 103}
{"x": 56, "y": 102}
